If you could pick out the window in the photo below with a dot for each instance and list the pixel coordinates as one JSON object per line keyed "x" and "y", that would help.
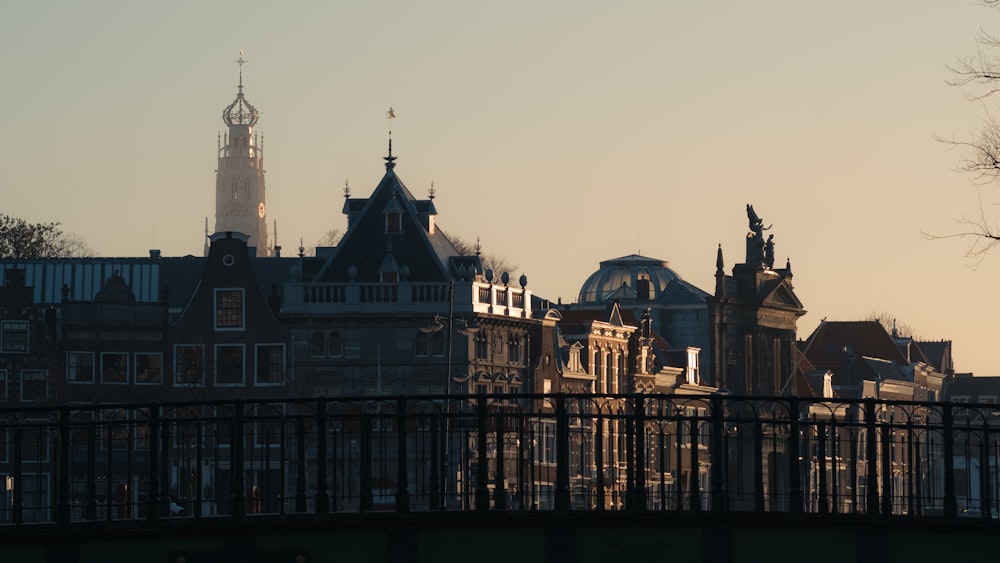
{"x": 229, "y": 364}
{"x": 14, "y": 337}
{"x": 229, "y": 309}
{"x": 189, "y": 364}
{"x": 34, "y": 385}
{"x": 3, "y": 385}
{"x": 692, "y": 367}
{"x": 393, "y": 224}
{"x": 114, "y": 367}
{"x": 80, "y": 367}
{"x": 148, "y": 368}
{"x": 482, "y": 345}
{"x": 270, "y": 364}
{"x": 318, "y": 344}
{"x": 336, "y": 347}
{"x": 430, "y": 344}
{"x": 514, "y": 349}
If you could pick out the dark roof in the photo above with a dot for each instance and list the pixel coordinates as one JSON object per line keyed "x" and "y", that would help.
{"x": 835, "y": 342}
{"x": 937, "y": 353}
{"x": 974, "y": 388}
{"x": 146, "y": 277}
{"x": 422, "y": 254}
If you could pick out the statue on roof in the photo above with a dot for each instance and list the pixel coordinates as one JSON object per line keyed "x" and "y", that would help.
{"x": 755, "y": 238}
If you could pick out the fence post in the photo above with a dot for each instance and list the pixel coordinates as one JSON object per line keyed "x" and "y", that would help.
{"x": 871, "y": 453}
{"x": 500, "y": 487}
{"x": 367, "y": 500}
{"x": 237, "y": 487}
{"x": 948, "y": 423}
{"x": 887, "y": 485}
{"x": 820, "y": 427}
{"x": 639, "y": 490}
{"x": 64, "y": 506}
{"x": 153, "y": 488}
{"x": 562, "y": 500}
{"x": 794, "y": 456}
{"x": 300, "y": 463}
{"x": 718, "y": 455}
{"x": 322, "y": 497}
{"x": 483, "y": 462}
{"x": 694, "y": 474}
{"x": 402, "y": 485}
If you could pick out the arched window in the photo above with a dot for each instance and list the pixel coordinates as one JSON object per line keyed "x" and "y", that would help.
{"x": 437, "y": 344}
{"x": 318, "y": 344}
{"x": 422, "y": 344}
{"x": 336, "y": 344}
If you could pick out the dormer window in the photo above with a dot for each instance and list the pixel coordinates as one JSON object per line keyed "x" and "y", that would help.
{"x": 393, "y": 217}
{"x": 393, "y": 222}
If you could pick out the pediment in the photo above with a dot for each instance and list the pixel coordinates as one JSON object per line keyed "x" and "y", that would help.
{"x": 781, "y": 296}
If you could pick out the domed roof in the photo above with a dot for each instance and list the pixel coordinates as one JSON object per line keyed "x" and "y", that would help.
{"x": 619, "y": 279}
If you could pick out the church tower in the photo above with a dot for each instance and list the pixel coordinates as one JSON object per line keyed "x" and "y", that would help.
{"x": 239, "y": 179}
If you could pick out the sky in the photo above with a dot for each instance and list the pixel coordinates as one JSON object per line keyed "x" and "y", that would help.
{"x": 559, "y": 134}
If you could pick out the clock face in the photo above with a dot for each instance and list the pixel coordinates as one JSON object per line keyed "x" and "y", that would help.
{"x": 261, "y": 211}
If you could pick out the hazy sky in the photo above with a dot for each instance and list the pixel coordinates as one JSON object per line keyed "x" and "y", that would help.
{"x": 559, "y": 133}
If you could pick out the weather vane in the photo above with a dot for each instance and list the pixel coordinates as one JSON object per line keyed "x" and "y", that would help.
{"x": 390, "y": 115}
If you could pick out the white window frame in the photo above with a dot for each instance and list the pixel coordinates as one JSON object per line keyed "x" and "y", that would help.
{"x": 110, "y": 354}
{"x": 35, "y": 372}
{"x": 72, "y": 366}
{"x": 243, "y": 309}
{"x": 135, "y": 368}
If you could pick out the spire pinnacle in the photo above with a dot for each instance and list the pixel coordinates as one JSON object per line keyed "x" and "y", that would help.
{"x": 240, "y": 62}
{"x": 390, "y": 160}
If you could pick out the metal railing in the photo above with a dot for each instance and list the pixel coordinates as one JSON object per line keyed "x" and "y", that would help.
{"x": 241, "y": 459}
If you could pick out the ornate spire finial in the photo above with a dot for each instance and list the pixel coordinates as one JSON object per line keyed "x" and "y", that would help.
{"x": 240, "y": 62}
{"x": 302, "y": 248}
{"x": 240, "y": 112}
{"x": 347, "y": 190}
{"x": 389, "y": 160}
{"x": 478, "y": 248}
{"x": 431, "y": 191}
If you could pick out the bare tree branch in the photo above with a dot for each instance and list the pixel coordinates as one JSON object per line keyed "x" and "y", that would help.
{"x": 21, "y": 239}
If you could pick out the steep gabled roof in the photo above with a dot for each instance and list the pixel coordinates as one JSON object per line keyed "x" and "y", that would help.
{"x": 421, "y": 251}
{"x": 680, "y": 292}
{"x": 937, "y": 354}
{"x": 835, "y": 342}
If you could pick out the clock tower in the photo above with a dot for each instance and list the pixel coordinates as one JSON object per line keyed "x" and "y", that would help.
{"x": 239, "y": 179}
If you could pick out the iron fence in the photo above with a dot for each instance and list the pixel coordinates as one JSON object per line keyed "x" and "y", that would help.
{"x": 242, "y": 459}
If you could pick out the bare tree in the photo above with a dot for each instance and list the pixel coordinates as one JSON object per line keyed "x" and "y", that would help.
{"x": 499, "y": 264}
{"x": 329, "y": 238}
{"x": 21, "y": 239}
{"x": 888, "y": 322}
{"x": 978, "y": 75}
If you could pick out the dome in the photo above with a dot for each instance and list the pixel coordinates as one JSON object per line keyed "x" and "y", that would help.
{"x": 619, "y": 279}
